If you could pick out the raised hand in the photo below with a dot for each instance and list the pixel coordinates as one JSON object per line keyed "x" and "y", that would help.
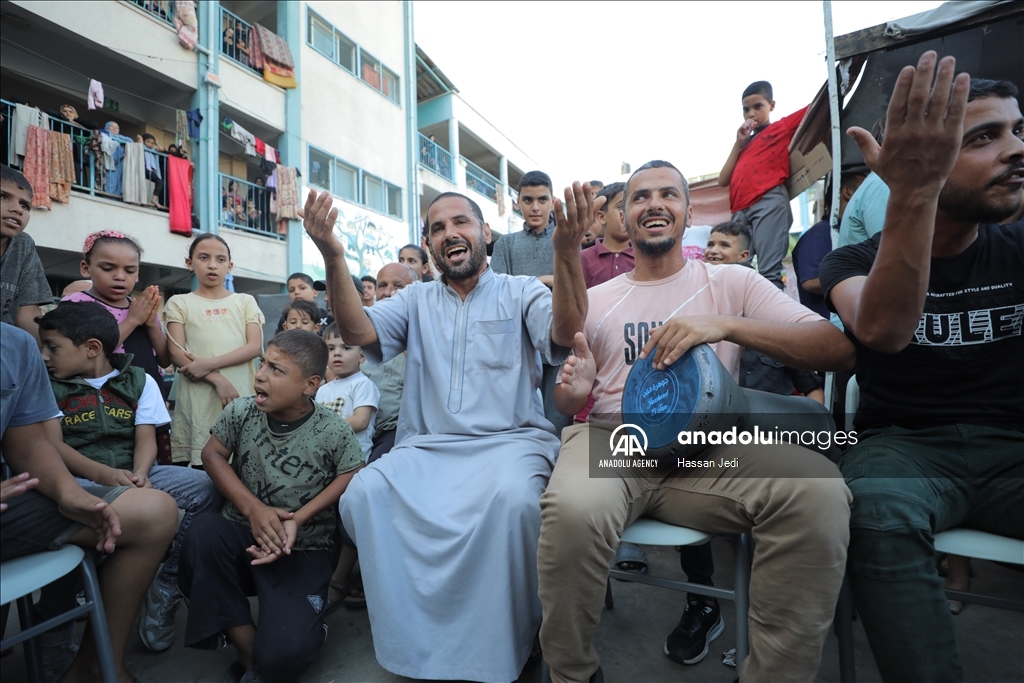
{"x": 579, "y": 370}
{"x": 318, "y": 219}
{"x": 923, "y": 127}
{"x": 141, "y": 307}
{"x": 578, "y": 217}
{"x": 679, "y": 335}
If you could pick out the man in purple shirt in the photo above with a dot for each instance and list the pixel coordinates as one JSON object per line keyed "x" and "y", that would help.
{"x": 611, "y": 255}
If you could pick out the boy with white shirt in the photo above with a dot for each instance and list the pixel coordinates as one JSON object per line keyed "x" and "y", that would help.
{"x": 352, "y": 395}
{"x": 108, "y": 435}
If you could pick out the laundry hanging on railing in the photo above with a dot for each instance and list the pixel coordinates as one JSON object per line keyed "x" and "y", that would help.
{"x": 179, "y": 195}
{"x": 95, "y": 97}
{"x": 186, "y": 24}
{"x": 194, "y": 119}
{"x": 37, "y": 165}
{"x": 271, "y": 54}
{"x": 62, "y": 167}
{"x": 24, "y": 116}
{"x": 134, "y": 180}
{"x": 287, "y": 198}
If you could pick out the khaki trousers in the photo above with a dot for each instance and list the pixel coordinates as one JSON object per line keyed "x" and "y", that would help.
{"x": 793, "y": 500}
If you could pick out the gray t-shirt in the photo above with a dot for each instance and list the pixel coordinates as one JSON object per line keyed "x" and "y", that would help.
{"x": 22, "y": 280}
{"x": 390, "y": 379}
{"x": 525, "y": 253}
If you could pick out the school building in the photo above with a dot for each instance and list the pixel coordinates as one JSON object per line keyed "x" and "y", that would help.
{"x": 337, "y": 92}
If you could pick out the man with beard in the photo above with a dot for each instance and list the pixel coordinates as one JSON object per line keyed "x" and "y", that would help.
{"x": 447, "y": 523}
{"x": 933, "y": 305}
{"x": 792, "y": 499}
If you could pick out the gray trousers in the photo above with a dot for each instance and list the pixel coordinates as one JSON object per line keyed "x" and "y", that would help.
{"x": 769, "y": 220}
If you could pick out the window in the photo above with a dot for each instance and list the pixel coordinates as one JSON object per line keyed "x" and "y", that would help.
{"x": 321, "y": 36}
{"x": 333, "y": 44}
{"x": 320, "y": 169}
{"x": 351, "y": 184}
{"x": 373, "y": 193}
{"x": 345, "y": 182}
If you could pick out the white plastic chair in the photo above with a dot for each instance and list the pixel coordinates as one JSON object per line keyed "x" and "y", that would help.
{"x": 19, "y": 578}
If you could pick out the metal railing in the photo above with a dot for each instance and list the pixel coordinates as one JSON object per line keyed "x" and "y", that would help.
{"x": 246, "y": 206}
{"x": 436, "y": 158}
{"x": 236, "y": 36}
{"x": 92, "y": 175}
{"x": 161, "y": 9}
{"x": 481, "y": 181}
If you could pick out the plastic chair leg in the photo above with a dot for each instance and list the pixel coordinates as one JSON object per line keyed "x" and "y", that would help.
{"x": 33, "y": 651}
{"x": 742, "y": 589}
{"x": 844, "y": 631}
{"x": 98, "y": 621}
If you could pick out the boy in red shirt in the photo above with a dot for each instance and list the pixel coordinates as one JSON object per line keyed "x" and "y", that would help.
{"x": 756, "y": 173}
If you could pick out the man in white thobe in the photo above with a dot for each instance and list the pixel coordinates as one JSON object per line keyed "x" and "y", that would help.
{"x": 447, "y": 523}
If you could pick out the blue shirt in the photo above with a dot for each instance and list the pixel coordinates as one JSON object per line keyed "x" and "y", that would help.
{"x": 25, "y": 393}
{"x": 865, "y": 213}
{"x": 812, "y": 246}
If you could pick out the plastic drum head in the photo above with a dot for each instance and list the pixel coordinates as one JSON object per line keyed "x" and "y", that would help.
{"x": 661, "y": 402}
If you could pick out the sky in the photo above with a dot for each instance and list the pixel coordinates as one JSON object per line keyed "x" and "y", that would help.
{"x": 582, "y": 87}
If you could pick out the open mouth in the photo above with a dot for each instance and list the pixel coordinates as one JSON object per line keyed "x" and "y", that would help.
{"x": 655, "y": 224}
{"x": 261, "y": 396}
{"x": 12, "y": 223}
{"x": 456, "y": 253}
{"x": 1014, "y": 178}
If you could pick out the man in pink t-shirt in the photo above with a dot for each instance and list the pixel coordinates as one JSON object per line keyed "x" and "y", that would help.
{"x": 793, "y": 500}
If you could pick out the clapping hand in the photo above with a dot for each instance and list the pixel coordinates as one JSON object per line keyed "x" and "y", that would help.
{"x": 579, "y": 370}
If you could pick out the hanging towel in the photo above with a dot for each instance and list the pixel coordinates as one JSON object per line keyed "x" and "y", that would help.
{"x": 62, "y": 167}
{"x": 256, "y": 51}
{"x": 194, "y": 119}
{"x": 260, "y": 147}
{"x": 180, "y": 127}
{"x": 245, "y": 137}
{"x": 135, "y": 191}
{"x": 95, "y": 97}
{"x": 272, "y": 180}
{"x": 287, "y": 194}
{"x": 25, "y": 116}
{"x": 37, "y": 165}
{"x": 267, "y": 166}
{"x": 270, "y": 154}
{"x": 185, "y": 23}
{"x": 179, "y": 195}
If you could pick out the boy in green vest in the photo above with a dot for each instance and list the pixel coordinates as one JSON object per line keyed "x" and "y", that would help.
{"x": 108, "y": 435}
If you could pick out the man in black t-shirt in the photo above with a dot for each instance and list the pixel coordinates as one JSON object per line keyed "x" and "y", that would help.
{"x": 934, "y": 306}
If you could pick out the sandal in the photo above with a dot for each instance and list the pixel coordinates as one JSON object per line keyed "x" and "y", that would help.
{"x": 334, "y": 604}
{"x": 631, "y": 558}
{"x": 355, "y": 598}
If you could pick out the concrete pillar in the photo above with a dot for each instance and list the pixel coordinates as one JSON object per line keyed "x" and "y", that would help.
{"x": 412, "y": 192}
{"x": 453, "y": 146}
{"x": 289, "y": 27}
{"x": 206, "y": 193}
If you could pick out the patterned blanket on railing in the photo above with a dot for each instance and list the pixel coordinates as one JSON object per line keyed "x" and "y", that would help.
{"x": 62, "y": 167}
{"x": 271, "y": 55}
{"x": 274, "y": 47}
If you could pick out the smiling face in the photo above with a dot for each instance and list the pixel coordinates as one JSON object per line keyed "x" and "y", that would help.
{"x": 211, "y": 263}
{"x": 280, "y": 386}
{"x": 15, "y": 209}
{"x": 724, "y": 248}
{"x": 343, "y": 359}
{"x": 113, "y": 268}
{"x": 535, "y": 204}
{"x": 458, "y": 241}
{"x": 988, "y": 178}
{"x": 656, "y": 211}
{"x": 63, "y": 359}
{"x": 757, "y": 109}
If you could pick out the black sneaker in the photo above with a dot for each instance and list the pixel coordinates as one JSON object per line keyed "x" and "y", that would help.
{"x": 700, "y": 624}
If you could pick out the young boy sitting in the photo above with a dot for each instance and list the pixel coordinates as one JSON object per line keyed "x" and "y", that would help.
{"x": 108, "y": 436}
{"x": 23, "y": 286}
{"x": 282, "y": 461}
{"x": 301, "y": 287}
{"x": 354, "y": 397}
{"x": 756, "y": 173}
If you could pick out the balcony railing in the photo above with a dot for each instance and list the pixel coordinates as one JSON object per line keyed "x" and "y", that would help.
{"x": 161, "y": 9}
{"x": 91, "y": 173}
{"x": 436, "y": 158}
{"x": 246, "y": 206}
{"x": 515, "y": 202}
{"x": 236, "y": 36}
{"x": 481, "y": 181}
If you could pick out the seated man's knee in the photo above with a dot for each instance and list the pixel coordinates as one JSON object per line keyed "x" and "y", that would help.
{"x": 288, "y": 655}
{"x": 147, "y": 514}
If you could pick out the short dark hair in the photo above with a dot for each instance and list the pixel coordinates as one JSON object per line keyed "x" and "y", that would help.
{"x": 9, "y": 175}
{"x": 657, "y": 163}
{"x": 762, "y": 88}
{"x": 596, "y": 184}
{"x": 300, "y": 276}
{"x": 81, "y": 321}
{"x": 473, "y": 206}
{"x": 609, "y": 192}
{"x": 369, "y": 278}
{"x": 333, "y": 331}
{"x": 417, "y": 248}
{"x": 207, "y": 236}
{"x": 986, "y": 87}
{"x": 849, "y": 178}
{"x": 149, "y": 136}
{"x": 734, "y": 229}
{"x": 535, "y": 179}
{"x": 303, "y": 306}
{"x": 358, "y": 284}
{"x": 305, "y": 348}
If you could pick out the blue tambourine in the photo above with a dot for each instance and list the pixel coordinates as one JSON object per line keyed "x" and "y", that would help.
{"x": 661, "y": 402}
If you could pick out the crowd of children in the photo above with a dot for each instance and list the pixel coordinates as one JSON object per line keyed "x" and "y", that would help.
{"x": 267, "y": 434}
